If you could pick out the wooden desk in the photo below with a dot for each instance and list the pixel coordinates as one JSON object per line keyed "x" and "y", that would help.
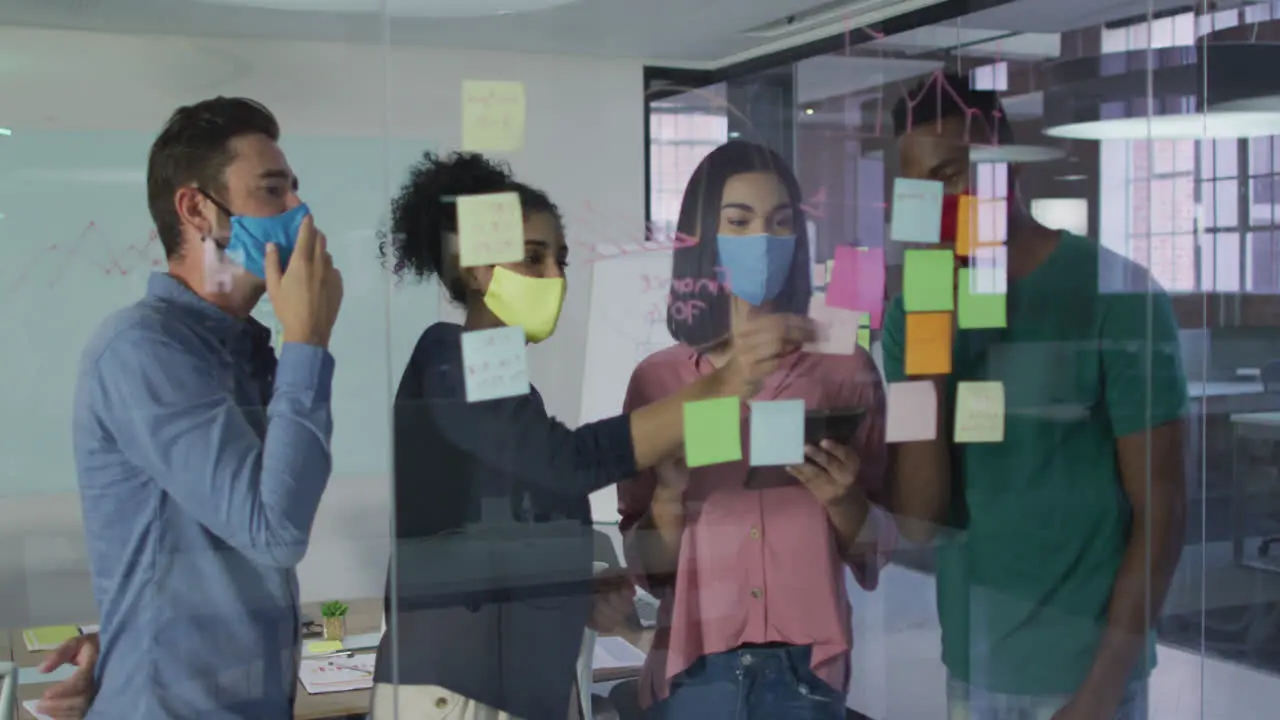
{"x": 365, "y": 616}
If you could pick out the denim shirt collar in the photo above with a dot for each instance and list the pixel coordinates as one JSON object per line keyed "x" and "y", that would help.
{"x": 227, "y": 328}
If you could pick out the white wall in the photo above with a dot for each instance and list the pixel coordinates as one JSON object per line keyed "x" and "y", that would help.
{"x": 584, "y": 146}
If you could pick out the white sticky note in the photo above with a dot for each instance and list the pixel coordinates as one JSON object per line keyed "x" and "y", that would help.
{"x": 496, "y": 363}
{"x": 777, "y": 432}
{"x": 490, "y": 229}
{"x": 916, "y": 213}
{"x": 912, "y": 412}
{"x": 493, "y": 115}
{"x": 979, "y": 412}
{"x": 837, "y": 328}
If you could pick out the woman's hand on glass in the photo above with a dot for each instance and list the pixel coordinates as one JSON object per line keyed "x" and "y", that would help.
{"x": 759, "y": 343}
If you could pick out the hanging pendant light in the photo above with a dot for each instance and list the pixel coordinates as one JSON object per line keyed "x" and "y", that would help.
{"x": 1225, "y": 86}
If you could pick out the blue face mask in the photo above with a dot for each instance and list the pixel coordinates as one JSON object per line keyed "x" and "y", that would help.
{"x": 251, "y": 235}
{"x": 756, "y": 266}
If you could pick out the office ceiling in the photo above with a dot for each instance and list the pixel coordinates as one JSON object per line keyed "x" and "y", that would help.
{"x": 693, "y": 33}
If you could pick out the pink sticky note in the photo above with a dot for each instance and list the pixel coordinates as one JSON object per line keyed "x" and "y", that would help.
{"x": 912, "y": 412}
{"x": 837, "y": 328}
{"x": 857, "y": 281}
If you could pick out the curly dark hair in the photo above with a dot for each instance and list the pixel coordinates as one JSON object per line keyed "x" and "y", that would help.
{"x": 424, "y": 211}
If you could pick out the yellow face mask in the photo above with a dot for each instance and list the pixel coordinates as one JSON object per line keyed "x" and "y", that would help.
{"x": 528, "y": 302}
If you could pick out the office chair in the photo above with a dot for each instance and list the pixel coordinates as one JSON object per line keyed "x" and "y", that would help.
{"x": 9, "y": 691}
{"x": 1271, "y": 383}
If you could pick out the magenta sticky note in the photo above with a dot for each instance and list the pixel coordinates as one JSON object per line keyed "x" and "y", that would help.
{"x": 857, "y": 281}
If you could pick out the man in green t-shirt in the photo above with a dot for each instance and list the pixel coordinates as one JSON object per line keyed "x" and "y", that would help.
{"x": 1056, "y": 546}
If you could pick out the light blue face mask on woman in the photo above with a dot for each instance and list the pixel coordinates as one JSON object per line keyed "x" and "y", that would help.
{"x": 756, "y": 266}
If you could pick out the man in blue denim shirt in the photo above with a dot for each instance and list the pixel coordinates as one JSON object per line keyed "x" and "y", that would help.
{"x": 201, "y": 460}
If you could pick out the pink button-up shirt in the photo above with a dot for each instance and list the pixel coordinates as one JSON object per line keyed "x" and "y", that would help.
{"x": 759, "y": 566}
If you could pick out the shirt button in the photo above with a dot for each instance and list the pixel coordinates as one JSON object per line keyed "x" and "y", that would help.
{"x": 441, "y": 703}
{"x": 755, "y": 593}
{"x": 755, "y": 533}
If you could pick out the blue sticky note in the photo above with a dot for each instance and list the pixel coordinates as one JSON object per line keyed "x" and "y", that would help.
{"x": 777, "y": 432}
{"x": 916, "y": 213}
{"x": 496, "y": 363}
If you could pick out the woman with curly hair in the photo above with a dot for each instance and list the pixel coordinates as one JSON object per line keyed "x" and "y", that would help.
{"x": 491, "y": 580}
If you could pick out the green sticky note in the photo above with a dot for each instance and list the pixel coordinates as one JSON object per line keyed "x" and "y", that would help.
{"x": 712, "y": 431}
{"x": 928, "y": 280}
{"x": 864, "y": 338}
{"x": 324, "y": 646}
{"x": 978, "y": 309}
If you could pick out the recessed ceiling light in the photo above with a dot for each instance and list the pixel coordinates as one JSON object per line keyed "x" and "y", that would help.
{"x": 808, "y": 111}
{"x": 6, "y": 132}
{"x": 404, "y": 8}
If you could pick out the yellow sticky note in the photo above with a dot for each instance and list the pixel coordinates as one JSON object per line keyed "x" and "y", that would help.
{"x": 493, "y": 114}
{"x": 864, "y": 332}
{"x": 979, "y": 223}
{"x": 712, "y": 431}
{"x": 490, "y": 229}
{"x": 49, "y": 636}
{"x": 324, "y": 646}
{"x": 928, "y": 343}
{"x": 979, "y": 412}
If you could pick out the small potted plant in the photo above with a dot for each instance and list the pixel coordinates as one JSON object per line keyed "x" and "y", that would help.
{"x": 334, "y": 613}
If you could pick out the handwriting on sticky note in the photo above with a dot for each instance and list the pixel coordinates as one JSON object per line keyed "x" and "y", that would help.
{"x": 777, "y": 432}
{"x": 928, "y": 343}
{"x": 857, "y": 281}
{"x": 928, "y": 280}
{"x": 324, "y": 646}
{"x": 979, "y": 412}
{"x": 712, "y": 431}
{"x": 976, "y": 310}
{"x": 496, "y": 363}
{"x": 836, "y": 328}
{"x": 490, "y": 229}
{"x": 493, "y": 114}
{"x": 916, "y": 213}
{"x": 912, "y": 412}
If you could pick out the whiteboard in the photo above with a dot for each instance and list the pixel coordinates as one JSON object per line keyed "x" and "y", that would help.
{"x": 78, "y": 245}
{"x": 627, "y": 323}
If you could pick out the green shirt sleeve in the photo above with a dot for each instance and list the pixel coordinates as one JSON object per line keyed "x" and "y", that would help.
{"x": 893, "y": 342}
{"x": 1143, "y": 380}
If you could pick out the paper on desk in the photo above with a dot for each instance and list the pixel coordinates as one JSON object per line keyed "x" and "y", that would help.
{"x": 30, "y": 707}
{"x": 612, "y": 653}
{"x": 337, "y": 674}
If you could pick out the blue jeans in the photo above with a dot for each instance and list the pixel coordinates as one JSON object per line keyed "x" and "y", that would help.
{"x": 754, "y": 683}
{"x": 970, "y": 703}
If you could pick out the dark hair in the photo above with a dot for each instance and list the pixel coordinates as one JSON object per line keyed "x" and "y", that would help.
{"x": 948, "y": 95}
{"x": 698, "y": 261}
{"x": 426, "y": 209}
{"x": 193, "y": 148}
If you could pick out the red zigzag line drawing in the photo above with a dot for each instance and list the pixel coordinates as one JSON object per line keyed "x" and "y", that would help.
{"x": 121, "y": 262}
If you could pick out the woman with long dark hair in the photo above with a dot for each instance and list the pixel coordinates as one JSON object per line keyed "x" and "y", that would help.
{"x": 748, "y": 562}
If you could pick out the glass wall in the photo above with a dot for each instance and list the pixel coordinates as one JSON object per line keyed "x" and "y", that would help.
{"x": 931, "y": 369}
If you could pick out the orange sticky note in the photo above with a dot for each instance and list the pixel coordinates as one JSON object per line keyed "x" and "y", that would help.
{"x": 966, "y": 225}
{"x": 928, "y": 343}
